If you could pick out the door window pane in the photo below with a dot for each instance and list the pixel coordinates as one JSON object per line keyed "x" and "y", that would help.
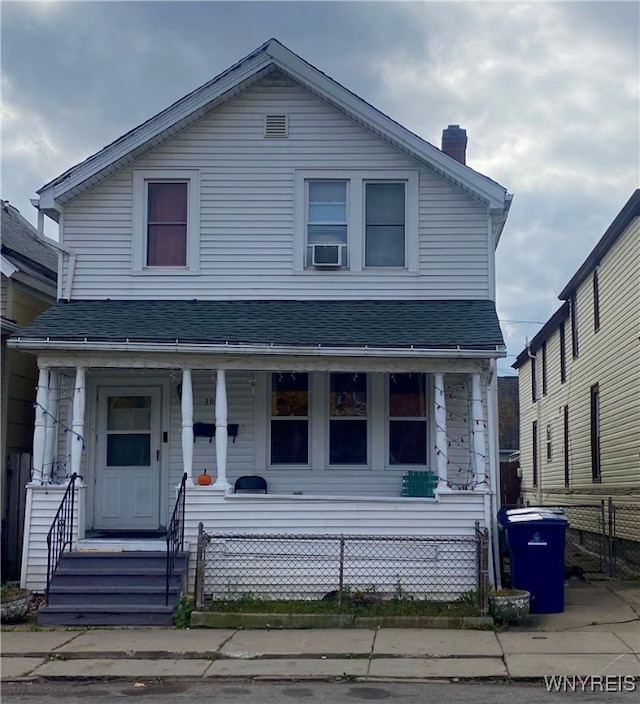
{"x": 129, "y": 413}
{"x": 131, "y": 450}
{"x": 385, "y": 224}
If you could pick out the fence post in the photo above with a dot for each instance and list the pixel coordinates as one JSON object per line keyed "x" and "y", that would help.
{"x": 200, "y": 565}
{"x": 341, "y": 572}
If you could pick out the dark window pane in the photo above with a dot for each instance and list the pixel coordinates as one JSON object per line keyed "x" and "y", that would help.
{"x": 289, "y": 394}
{"x": 167, "y": 202}
{"x": 385, "y": 204}
{"x": 407, "y": 396}
{"x": 384, "y": 245}
{"x": 289, "y": 442}
{"x": 407, "y": 442}
{"x": 348, "y": 442}
{"x": 348, "y": 395}
{"x": 167, "y": 245}
{"x": 129, "y": 450}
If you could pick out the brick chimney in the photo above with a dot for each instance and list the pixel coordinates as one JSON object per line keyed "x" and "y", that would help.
{"x": 454, "y": 143}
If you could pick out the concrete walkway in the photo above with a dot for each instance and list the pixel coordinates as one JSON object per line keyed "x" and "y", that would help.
{"x": 597, "y": 634}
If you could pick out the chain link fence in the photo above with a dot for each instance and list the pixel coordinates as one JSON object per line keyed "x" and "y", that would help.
{"x": 312, "y": 567}
{"x": 602, "y": 537}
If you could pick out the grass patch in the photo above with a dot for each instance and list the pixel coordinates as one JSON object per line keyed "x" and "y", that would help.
{"x": 357, "y": 603}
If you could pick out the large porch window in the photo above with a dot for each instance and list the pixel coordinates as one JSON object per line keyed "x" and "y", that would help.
{"x": 407, "y": 419}
{"x": 290, "y": 419}
{"x": 348, "y": 419}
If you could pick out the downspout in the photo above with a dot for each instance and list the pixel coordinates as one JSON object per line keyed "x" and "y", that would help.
{"x": 494, "y": 464}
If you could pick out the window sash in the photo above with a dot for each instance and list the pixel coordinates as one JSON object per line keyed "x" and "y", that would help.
{"x": 407, "y": 422}
{"x": 289, "y": 422}
{"x": 167, "y": 207}
{"x": 348, "y": 419}
{"x": 385, "y": 224}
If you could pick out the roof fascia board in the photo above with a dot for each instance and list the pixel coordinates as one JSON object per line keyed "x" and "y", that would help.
{"x": 8, "y": 269}
{"x": 543, "y": 334}
{"x": 182, "y": 109}
{"x": 252, "y": 349}
{"x": 489, "y": 191}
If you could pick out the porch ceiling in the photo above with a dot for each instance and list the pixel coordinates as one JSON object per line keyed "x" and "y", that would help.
{"x": 420, "y": 325}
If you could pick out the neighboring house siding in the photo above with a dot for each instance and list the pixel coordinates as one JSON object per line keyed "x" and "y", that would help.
{"x": 608, "y": 358}
{"x": 248, "y": 199}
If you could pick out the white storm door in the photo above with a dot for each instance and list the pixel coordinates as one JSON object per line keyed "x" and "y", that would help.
{"x": 127, "y": 491}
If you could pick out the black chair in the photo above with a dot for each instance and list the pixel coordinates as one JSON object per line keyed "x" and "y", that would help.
{"x": 250, "y": 483}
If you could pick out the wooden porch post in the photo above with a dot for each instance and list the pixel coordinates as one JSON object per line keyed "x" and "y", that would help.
{"x": 221, "y": 431}
{"x": 51, "y": 431}
{"x": 77, "y": 424}
{"x": 442, "y": 442}
{"x": 477, "y": 419}
{"x": 40, "y": 426}
{"x": 187, "y": 422}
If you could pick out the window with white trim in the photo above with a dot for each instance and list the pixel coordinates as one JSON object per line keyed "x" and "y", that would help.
{"x": 289, "y": 437}
{"x": 356, "y": 220}
{"x": 407, "y": 419}
{"x": 348, "y": 422}
{"x": 166, "y": 221}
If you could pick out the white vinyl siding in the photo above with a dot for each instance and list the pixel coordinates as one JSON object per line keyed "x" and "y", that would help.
{"x": 606, "y": 358}
{"x": 247, "y": 219}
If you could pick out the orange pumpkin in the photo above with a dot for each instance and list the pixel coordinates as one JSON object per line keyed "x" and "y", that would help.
{"x": 204, "y": 479}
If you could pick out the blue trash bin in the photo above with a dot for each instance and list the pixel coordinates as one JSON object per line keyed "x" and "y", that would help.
{"x": 536, "y": 540}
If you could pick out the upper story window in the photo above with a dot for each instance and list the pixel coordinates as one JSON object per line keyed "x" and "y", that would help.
{"x": 596, "y": 302}
{"x": 534, "y": 379}
{"x": 573, "y": 312}
{"x": 385, "y": 213}
{"x": 166, "y": 221}
{"x": 356, "y": 221}
{"x": 563, "y": 354}
{"x": 544, "y": 368}
{"x": 327, "y": 224}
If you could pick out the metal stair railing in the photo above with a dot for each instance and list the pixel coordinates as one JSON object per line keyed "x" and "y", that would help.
{"x": 175, "y": 535}
{"x": 60, "y": 535}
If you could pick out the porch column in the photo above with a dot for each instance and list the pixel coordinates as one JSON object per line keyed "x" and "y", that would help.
{"x": 187, "y": 422}
{"x": 40, "y": 425}
{"x": 77, "y": 424}
{"x": 52, "y": 420}
{"x": 477, "y": 420}
{"x": 442, "y": 442}
{"x": 222, "y": 437}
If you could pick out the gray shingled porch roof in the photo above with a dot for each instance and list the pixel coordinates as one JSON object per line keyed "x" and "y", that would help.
{"x": 443, "y": 324}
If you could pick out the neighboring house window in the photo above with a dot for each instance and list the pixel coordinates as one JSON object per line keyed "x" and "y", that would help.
{"x": 166, "y": 221}
{"x": 289, "y": 419}
{"x": 549, "y": 444}
{"x": 565, "y": 425}
{"x": 595, "y": 434}
{"x": 534, "y": 380}
{"x": 348, "y": 418}
{"x": 534, "y": 457}
{"x": 167, "y": 224}
{"x": 385, "y": 206}
{"x": 407, "y": 419}
{"x": 563, "y": 355}
{"x": 327, "y": 223}
{"x": 356, "y": 220}
{"x": 596, "y": 302}
{"x": 573, "y": 312}
{"x": 544, "y": 368}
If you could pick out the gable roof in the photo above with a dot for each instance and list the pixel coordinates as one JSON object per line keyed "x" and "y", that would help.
{"x": 25, "y": 249}
{"x": 469, "y": 327}
{"x": 271, "y": 56}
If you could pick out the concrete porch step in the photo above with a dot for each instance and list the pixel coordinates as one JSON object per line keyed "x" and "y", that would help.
{"x": 105, "y": 615}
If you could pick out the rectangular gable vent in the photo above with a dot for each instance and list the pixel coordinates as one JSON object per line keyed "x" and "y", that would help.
{"x": 276, "y": 126}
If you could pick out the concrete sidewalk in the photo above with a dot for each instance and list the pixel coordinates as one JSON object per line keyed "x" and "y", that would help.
{"x": 597, "y": 634}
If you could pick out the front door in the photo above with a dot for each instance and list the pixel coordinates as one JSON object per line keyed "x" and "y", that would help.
{"x": 127, "y": 491}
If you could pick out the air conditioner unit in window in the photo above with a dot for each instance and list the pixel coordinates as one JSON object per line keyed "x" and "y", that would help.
{"x": 327, "y": 255}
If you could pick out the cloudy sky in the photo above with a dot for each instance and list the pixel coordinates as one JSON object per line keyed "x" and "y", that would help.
{"x": 548, "y": 93}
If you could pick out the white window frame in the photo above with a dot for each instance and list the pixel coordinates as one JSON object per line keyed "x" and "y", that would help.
{"x": 429, "y": 421}
{"x": 141, "y": 178}
{"x": 327, "y": 418}
{"x": 356, "y": 180}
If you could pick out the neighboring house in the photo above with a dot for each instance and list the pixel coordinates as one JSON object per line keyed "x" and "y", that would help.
{"x": 270, "y": 277}
{"x": 580, "y": 380}
{"x": 29, "y": 272}
{"x": 509, "y": 439}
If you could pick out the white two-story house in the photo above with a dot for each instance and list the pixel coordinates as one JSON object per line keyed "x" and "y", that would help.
{"x": 273, "y": 278}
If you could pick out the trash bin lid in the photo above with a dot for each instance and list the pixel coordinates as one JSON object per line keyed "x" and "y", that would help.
{"x": 535, "y": 515}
